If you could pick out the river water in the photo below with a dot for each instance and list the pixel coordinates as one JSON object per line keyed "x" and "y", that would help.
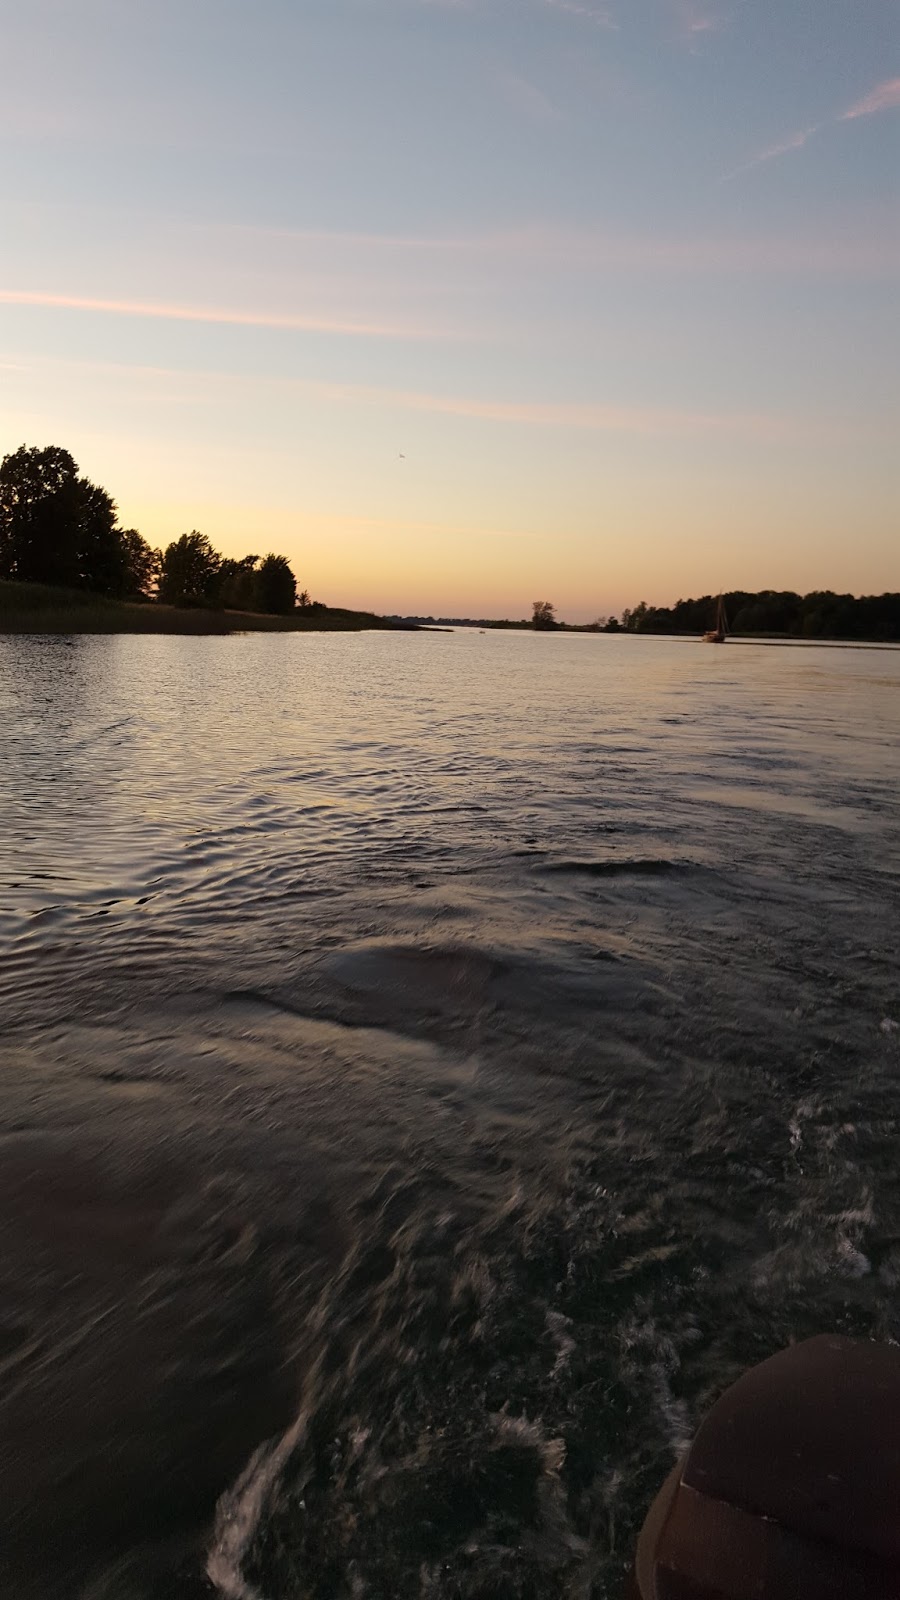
{"x": 434, "y": 1066}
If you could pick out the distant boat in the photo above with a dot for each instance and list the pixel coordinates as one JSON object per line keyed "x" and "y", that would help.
{"x": 716, "y": 635}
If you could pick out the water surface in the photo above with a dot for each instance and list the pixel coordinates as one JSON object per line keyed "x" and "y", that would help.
{"x": 441, "y": 1060}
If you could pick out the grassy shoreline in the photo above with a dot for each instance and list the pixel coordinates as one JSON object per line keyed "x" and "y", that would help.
{"x": 38, "y": 608}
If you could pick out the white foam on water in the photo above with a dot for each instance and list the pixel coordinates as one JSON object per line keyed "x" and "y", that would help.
{"x": 530, "y": 1435}
{"x": 240, "y": 1511}
{"x": 653, "y": 1359}
{"x": 853, "y": 1262}
{"x": 565, "y": 1346}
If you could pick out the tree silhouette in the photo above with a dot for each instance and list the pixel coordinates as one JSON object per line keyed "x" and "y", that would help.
{"x": 781, "y": 613}
{"x": 100, "y": 552}
{"x": 237, "y": 583}
{"x": 59, "y": 528}
{"x": 543, "y": 615}
{"x": 39, "y": 515}
{"x": 276, "y": 586}
{"x": 189, "y": 571}
{"x": 141, "y": 566}
{"x": 636, "y": 620}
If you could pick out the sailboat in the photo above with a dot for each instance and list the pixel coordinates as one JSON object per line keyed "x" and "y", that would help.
{"x": 716, "y": 635}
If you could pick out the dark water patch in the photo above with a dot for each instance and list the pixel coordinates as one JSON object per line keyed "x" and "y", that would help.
{"x": 159, "y": 1361}
{"x": 253, "y": 1001}
{"x": 629, "y": 866}
{"x": 161, "y": 1261}
{"x": 477, "y": 1002}
{"x": 118, "y": 1075}
{"x": 440, "y": 973}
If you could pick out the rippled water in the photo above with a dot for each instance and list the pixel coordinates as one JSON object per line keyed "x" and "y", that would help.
{"x": 435, "y": 1064}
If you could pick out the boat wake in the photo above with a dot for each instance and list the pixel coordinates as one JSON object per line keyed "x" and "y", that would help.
{"x": 240, "y": 1512}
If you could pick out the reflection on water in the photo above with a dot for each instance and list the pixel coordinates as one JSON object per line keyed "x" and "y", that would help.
{"x": 448, "y": 1058}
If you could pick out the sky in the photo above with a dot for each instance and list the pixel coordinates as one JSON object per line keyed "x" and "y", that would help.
{"x": 460, "y": 303}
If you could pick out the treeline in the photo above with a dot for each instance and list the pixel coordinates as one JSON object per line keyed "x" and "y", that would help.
{"x": 192, "y": 573}
{"x": 58, "y": 528}
{"x": 822, "y": 614}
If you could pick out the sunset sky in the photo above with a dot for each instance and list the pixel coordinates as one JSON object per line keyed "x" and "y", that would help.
{"x": 459, "y": 303}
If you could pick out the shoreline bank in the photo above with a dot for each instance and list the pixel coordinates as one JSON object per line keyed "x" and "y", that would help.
{"x": 38, "y": 608}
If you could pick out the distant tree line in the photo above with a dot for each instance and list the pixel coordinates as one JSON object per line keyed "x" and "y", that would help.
{"x": 821, "y": 614}
{"x": 58, "y": 528}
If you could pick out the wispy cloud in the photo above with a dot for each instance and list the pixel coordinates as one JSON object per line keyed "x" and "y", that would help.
{"x": 593, "y": 418}
{"x": 794, "y": 141}
{"x": 693, "y": 18}
{"x": 884, "y": 97}
{"x": 377, "y": 289}
{"x": 288, "y": 321}
{"x": 538, "y": 246}
{"x": 168, "y": 385}
{"x": 601, "y": 15}
{"x": 527, "y": 98}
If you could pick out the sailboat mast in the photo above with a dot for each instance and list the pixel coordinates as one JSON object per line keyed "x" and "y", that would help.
{"x": 717, "y": 634}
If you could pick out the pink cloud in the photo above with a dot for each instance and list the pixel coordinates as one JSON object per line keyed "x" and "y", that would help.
{"x": 600, "y": 15}
{"x": 302, "y": 323}
{"x": 534, "y": 246}
{"x": 884, "y": 97}
{"x": 168, "y": 384}
{"x": 593, "y": 417}
{"x": 794, "y": 141}
{"x": 693, "y": 18}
